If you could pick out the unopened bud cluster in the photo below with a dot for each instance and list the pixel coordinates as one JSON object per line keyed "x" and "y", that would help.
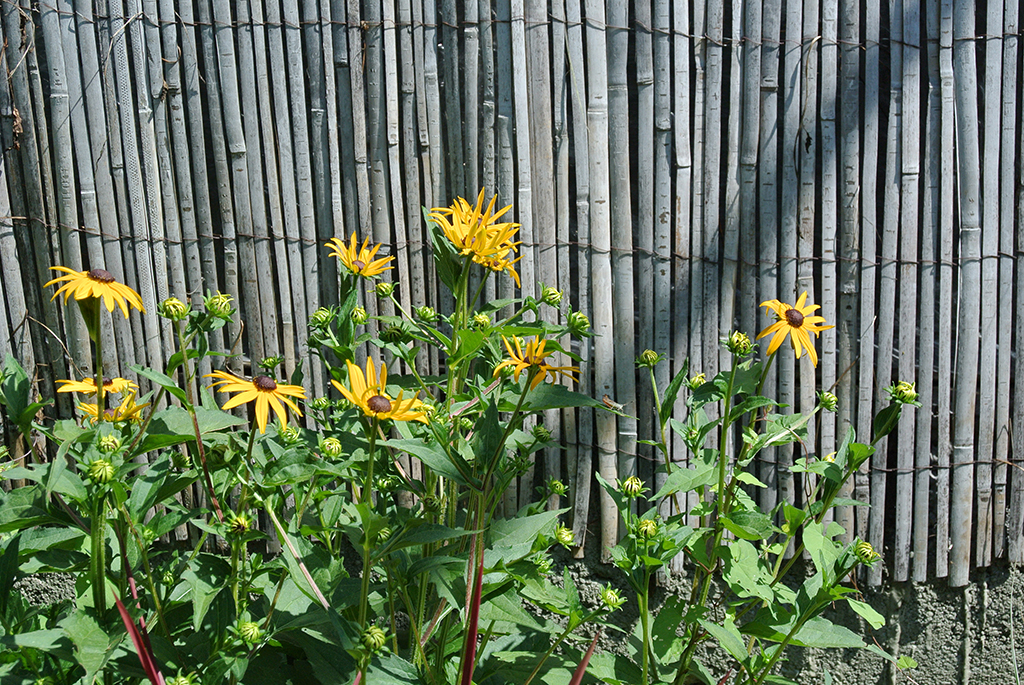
{"x": 648, "y": 359}
{"x": 866, "y": 554}
{"x": 540, "y": 433}
{"x": 358, "y": 316}
{"x": 425, "y": 313}
{"x": 828, "y": 400}
{"x": 739, "y": 344}
{"x": 903, "y": 393}
{"x": 631, "y": 487}
{"x": 101, "y": 472}
{"x": 219, "y": 305}
{"x": 373, "y": 638}
{"x": 647, "y": 528}
{"x": 611, "y": 598}
{"x": 564, "y": 536}
{"x": 551, "y": 296}
{"x": 384, "y": 289}
{"x": 173, "y": 309}
{"x": 579, "y": 324}
{"x": 108, "y": 444}
{"x": 249, "y": 631}
{"x": 331, "y": 447}
{"x": 697, "y": 381}
{"x": 556, "y": 487}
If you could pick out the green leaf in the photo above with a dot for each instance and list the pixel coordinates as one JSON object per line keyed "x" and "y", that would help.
{"x": 16, "y": 388}
{"x": 906, "y": 662}
{"x": 749, "y": 525}
{"x": 418, "y": 532}
{"x": 206, "y": 577}
{"x": 751, "y": 403}
{"x": 685, "y": 480}
{"x": 672, "y": 391}
{"x": 163, "y": 380}
{"x": 742, "y": 570}
{"x": 885, "y": 421}
{"x": 728, "y": 637}
{"x": 22, "y": 508}
{"x": 93, "y": 647}
{"x": 874, "y": 619}
{"x": 8, "y": 568}
{"x": 512, "y": 539}
{"x": 557, "y": 396}
{"x": 52, "y": 641}
{"x": 452, "y": 467}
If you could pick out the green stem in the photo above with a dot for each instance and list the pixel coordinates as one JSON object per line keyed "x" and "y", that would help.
{"x": 551, "y": 649}
{"x": 645, "y": 623}
{"x": 366, "y": 497}
{"x": 98, "y": 564}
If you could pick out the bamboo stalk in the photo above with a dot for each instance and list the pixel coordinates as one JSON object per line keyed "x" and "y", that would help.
{"x": 908, "y": 295}
{"x": 208, "y": 261}
{"x": 601, "y": 267}
{"x": 274, "y": 238}
{"x": 780, "y": 484}
{"x": 966, "y": 378}
{"x": 947, "y": 279}
{"x": 1001, "y": 453}
{"x": 990, "y": 230}
{"x": 228, "y": 255}
{"x": 578, "y": 99}
{"x": 847, "y": 334}
{"x": 926, "y": 324}
{"x": 887, "y": 279}
{"x": 749, "y": 147}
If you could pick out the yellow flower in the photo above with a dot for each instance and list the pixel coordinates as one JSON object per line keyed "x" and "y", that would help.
{"x": 359, "y": 260}
{"x": 476, "y": 231}
{"x": 124, "y": 412}
{"x": 87, "y": 386}
{"x": 368, "y": 391}
{"x": 96, "y": 284}
{"x": 533, "y": 357}
{"x": 265, "y": 391}
{"x": 795, "y": 321}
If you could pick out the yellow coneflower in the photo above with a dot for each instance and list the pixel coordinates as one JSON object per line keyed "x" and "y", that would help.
{"x": 87, "y": 386}
{"x": 266, "y": 392}
{"x": 98, "y": 284}
{"x": 533, "y": 357}
{"x": 359, "y": 260}
{"x": 368, "y": 391}
{"x": 795, "y": 322}
{"x": 476, "y": 231}
{"x": 124, "y": 412}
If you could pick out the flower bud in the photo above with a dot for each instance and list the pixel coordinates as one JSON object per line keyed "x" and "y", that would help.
{"x": 384, "y": 534}
{"x": 739, "y": 344}
{"x": 238, "y": 524}
{"x": 696, "y": 381}
{"x": 373, "y": 638}
{"x": 564, "y": 536}
{"x": 393, "y": 334}
{"x": 270, "y": 363}
{"x": 108, "y": 444}
{"x": 543, "y": 563}
{"x": 465, "y": 423}
{"x": 358, "y": 316}
{"x": 828, "y": 400}
{"x": 647, "y": 528}
{"x": 169, "y": 579}
{"x": 903, "y": 393}
{"x": 319, "y": 403}
{"x": 290, "y": 435}
{"x": 648, "y": 359}
{"x": 579, "y": 324}
{"x": 480, "y": 322}
{"x": 631, "y": 487}
{"x": 173, "y": 309}
{"x": 540, "y": 433}
{"x": 249, "y": 632}
{"x": 219, "y": 305}
{"x": 181, "y": 460}
{"x": 830, "y": 457}
{"x": 148, "y": 534}
{"x": 611, "y": 598}
{"x": 866, "y": 554}
{"x": 425, "y": 313}
{"x": 556, "y": 487}
{"x": 331, "y": 447}
{"x": 101, "y": 472}
{"x": 432, "y": 504}
{"x": 321, "y": 318}
{"x": 551, "y": 296}
{"x": 384, "y": 289}
{"x": 190, "y": 679}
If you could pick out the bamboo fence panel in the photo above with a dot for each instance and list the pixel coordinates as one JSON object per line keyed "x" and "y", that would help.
{"x": 672, "y": 164}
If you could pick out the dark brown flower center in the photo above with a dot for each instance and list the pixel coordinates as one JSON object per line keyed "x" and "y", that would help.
{"x": 794, "y": 318}
{"x": 101, "y": 276}
{"x": 379, "y": 404}
{"x": 359, "y": 265}
{"x": 264, "y": 383}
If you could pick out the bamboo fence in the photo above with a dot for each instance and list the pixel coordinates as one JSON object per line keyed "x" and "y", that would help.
{"x": 672, "y": 165}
